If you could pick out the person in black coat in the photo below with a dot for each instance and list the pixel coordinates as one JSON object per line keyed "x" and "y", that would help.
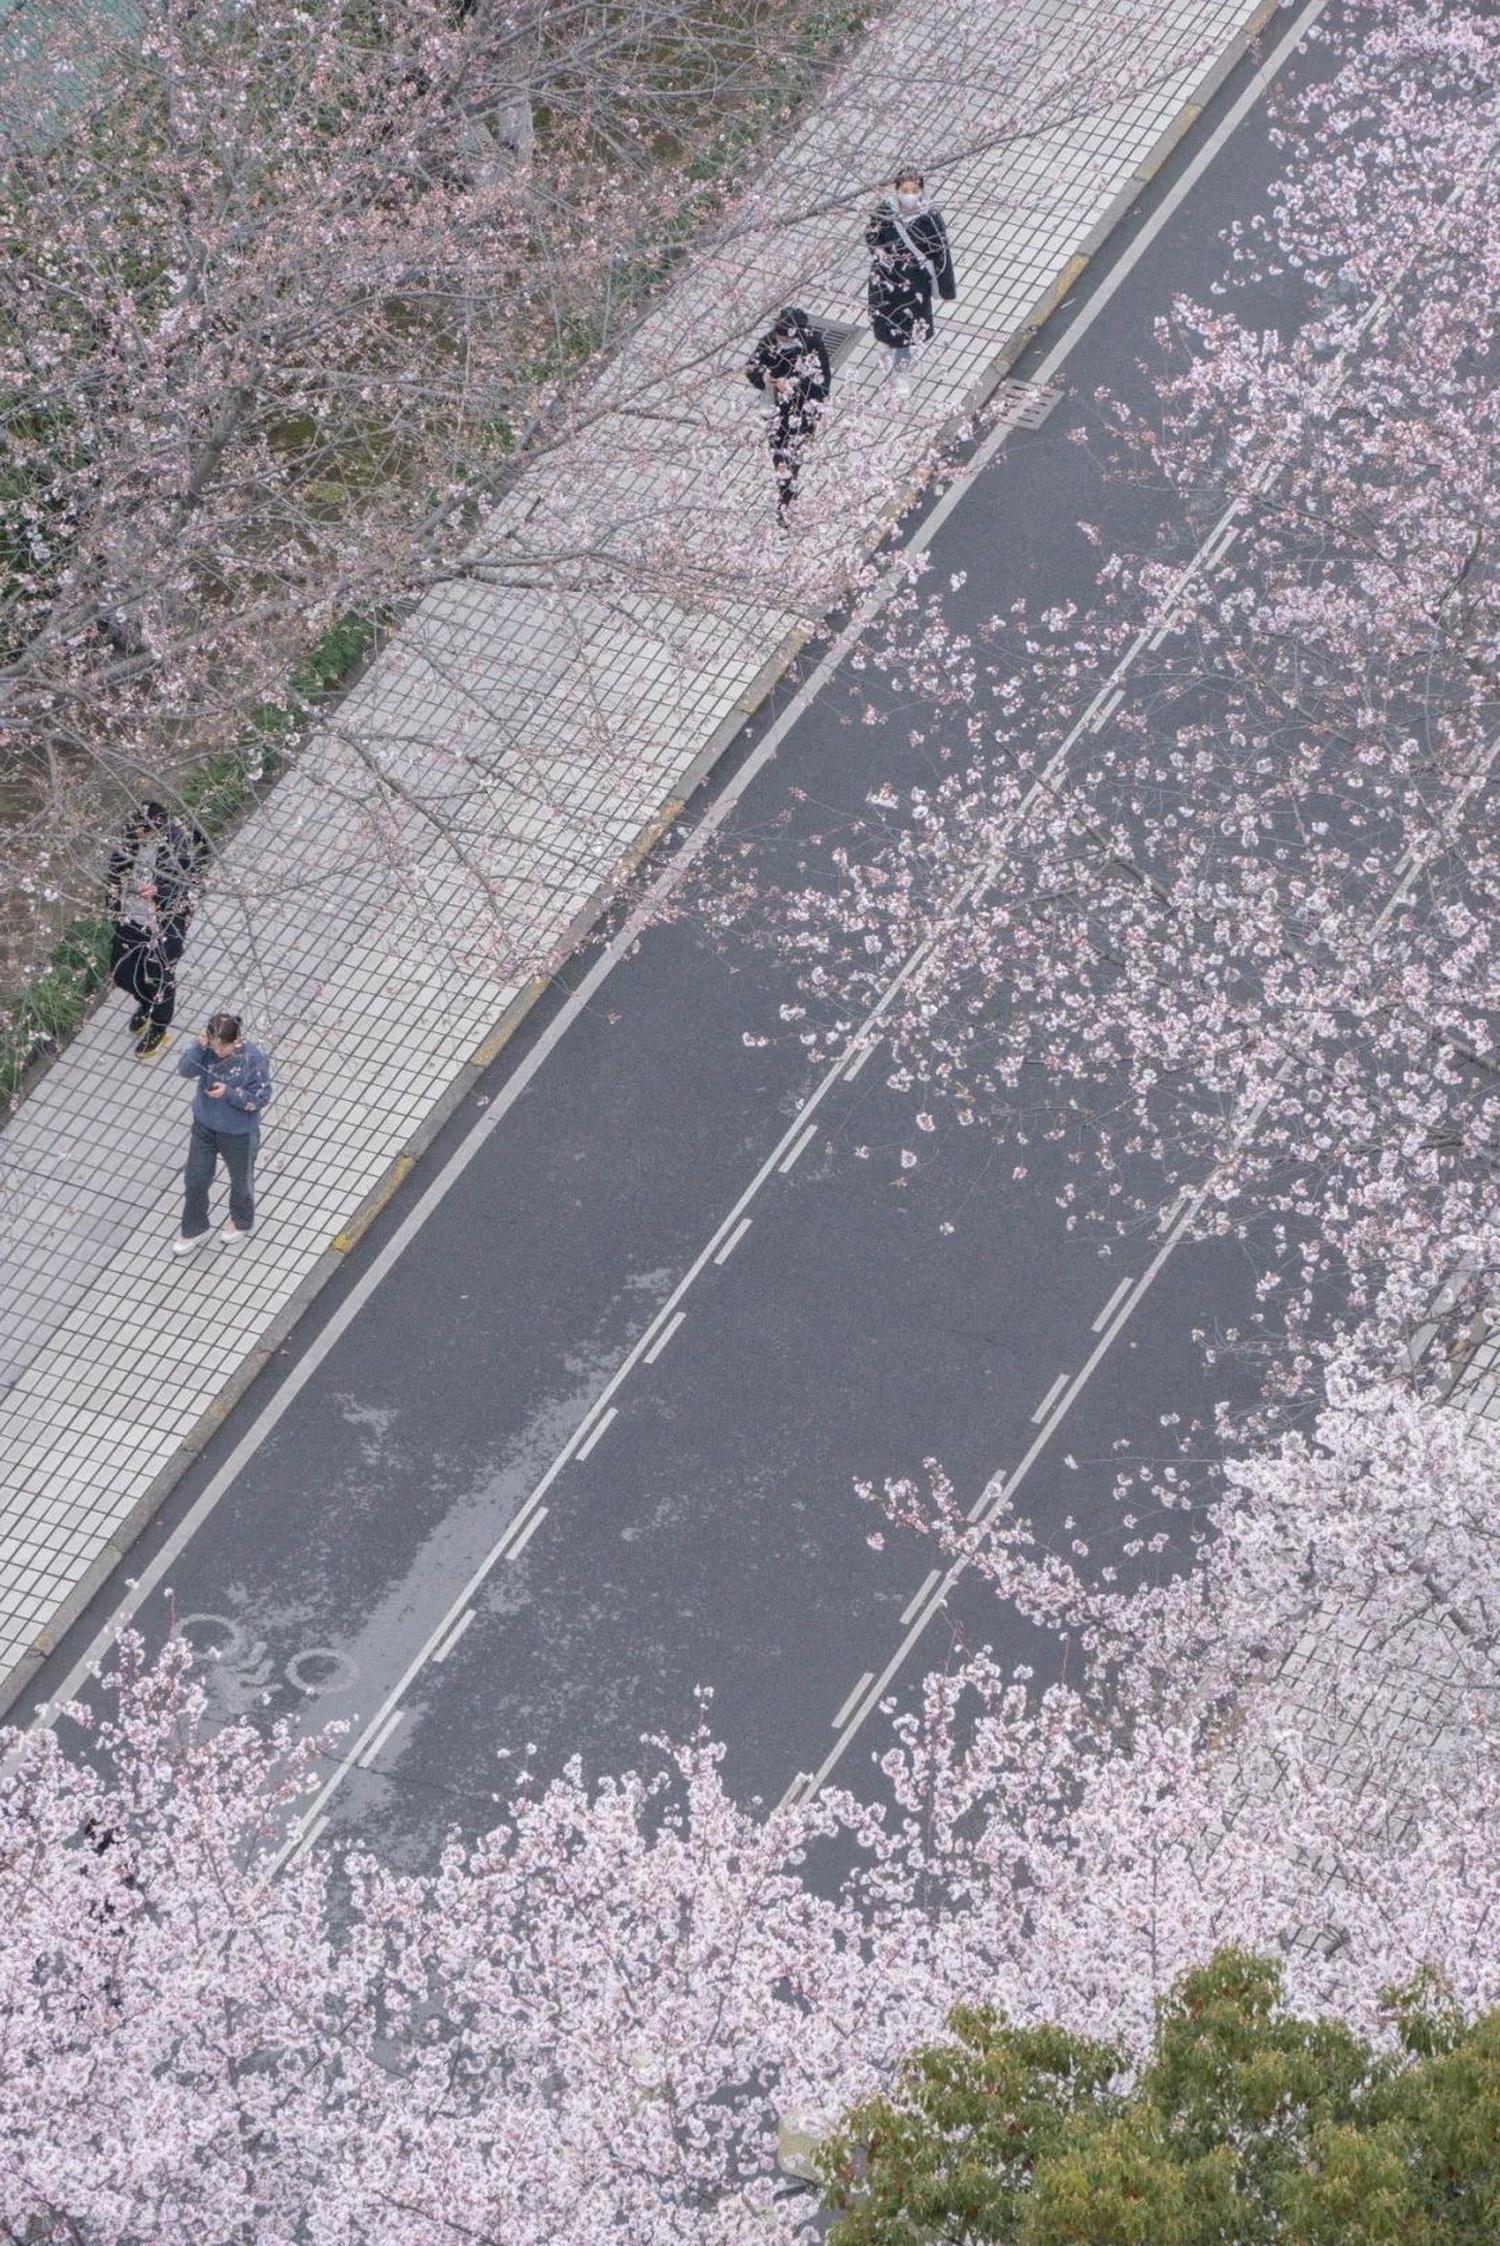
{"x": 152, "y": 867}
{"x": 909, "y": 259}
{"x": 158, "y": 845}
{"x": 791, "y": 364}
{"x": 143, "y": 954}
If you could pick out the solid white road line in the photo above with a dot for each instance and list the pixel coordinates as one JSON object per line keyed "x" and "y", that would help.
{"x": 1104, "y": 1316}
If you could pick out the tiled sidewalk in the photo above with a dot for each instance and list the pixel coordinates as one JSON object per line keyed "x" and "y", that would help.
{"x": 385, "y": 917}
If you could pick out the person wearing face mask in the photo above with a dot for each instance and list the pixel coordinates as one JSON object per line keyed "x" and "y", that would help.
{"x": 909, "y": 259}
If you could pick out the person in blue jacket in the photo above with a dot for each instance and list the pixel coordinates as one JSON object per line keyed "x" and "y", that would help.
{"x": 232, "y": 1093}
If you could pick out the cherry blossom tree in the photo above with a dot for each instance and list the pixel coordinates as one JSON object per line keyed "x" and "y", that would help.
{"x": 285, "y": 293}
{"x": 1245, "y": 924}
{"x": 312, "y": 320}
{"x": 594, "y": 2020}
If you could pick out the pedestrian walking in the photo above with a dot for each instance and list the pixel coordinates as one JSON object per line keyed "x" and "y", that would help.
{"x": 790, "y": 363}
{"x": 232, "y": 1094}
{"x": 909, "y": 259}
{"x": 153, "y": 865}
{"x": 144, "y": 950}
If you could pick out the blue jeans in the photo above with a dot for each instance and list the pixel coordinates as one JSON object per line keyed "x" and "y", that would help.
{"x": 205, "y": 1147}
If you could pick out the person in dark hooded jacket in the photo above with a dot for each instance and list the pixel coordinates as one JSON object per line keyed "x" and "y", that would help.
{"x": 152, "y": 868}
{"x": 791, "y": 364}
{"x": 155, "y": 844}
{"x": 144, "y": 950}
{"x": 909, "y": 260}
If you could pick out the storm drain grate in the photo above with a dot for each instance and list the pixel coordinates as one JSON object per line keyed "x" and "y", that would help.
{"x": 1026, "y": 405}
{"x": 838, "y": 335}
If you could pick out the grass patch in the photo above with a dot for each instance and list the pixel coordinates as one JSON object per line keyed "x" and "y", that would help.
{"x": 217, "y": 791}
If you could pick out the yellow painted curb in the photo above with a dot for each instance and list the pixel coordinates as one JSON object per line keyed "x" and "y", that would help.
{"x": 359, "y": 1225}
{"x": 651, "y": 834}
{"x": 1183, "y": 122}
{"x": 509, "y": 1022}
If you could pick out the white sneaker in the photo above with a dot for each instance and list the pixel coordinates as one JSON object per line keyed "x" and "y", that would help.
{"x": 186, "y": 1242}
{"x": 901, "y": 385}
{"x": 232, "y": 1233}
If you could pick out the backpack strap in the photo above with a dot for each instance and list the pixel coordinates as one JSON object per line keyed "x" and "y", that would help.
{"x": 920, "y": 255}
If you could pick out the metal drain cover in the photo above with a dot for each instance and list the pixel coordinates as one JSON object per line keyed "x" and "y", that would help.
{"x": 1025, "y": 405}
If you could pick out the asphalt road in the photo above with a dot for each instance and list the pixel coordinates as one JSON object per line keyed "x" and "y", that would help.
{"x": 705, "y": 1533}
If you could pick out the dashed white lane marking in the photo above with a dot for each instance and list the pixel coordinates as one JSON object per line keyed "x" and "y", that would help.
{"x": 1103, "y": 1318}
{"x": 1107, "y": 708}
{"x": 660, "y": 1343}
{"x": 997, "y": 1492}
{"x": 862, "y": 1052}
{"x": 733, "y": 1241}
{"x": 919, "y": 1595}
{"x": 582, "y": 1452}
{"x": 540, "y": 1514}
{"x": 867, "y": 1679}
{"x": 378, "y": 1738}
{"x": 1049, "y": 1399}
{"x": 454, "y": 1635}
{"x": 798, "y": 1150}
{"x": 304, "y": 1840}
